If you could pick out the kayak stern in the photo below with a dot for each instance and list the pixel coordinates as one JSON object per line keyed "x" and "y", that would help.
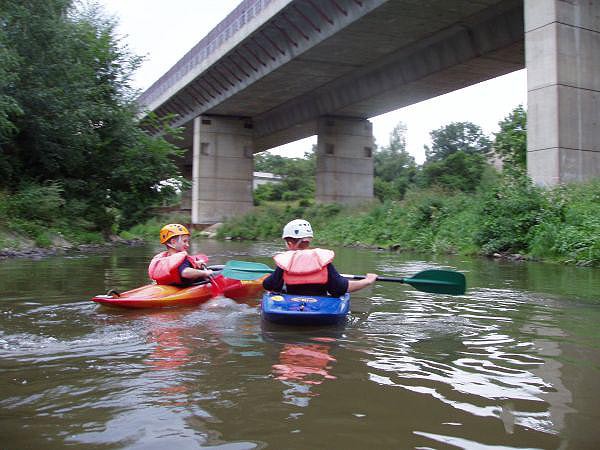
{"x": 304, "y": 310}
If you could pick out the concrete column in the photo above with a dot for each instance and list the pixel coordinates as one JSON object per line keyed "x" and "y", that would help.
{"x": 562, "y": 48}
{"x": 186, "y": 166}
{"x": 222, "y": 169}
{"x": 344, "y": 160}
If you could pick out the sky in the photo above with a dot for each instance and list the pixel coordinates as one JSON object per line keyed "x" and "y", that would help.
{"x": 163, "y": 31}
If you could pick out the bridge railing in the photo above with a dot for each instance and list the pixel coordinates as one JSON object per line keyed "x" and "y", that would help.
{"x": 228, "y": 27}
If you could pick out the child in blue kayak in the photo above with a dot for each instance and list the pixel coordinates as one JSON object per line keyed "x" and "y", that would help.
{"x": 175, "y": 266}
{"x": 308, "y": 271}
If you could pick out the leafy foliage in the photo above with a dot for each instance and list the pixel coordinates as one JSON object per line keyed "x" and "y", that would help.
{"x": 8, "y": 76}
{"x": 570, "y": 229}
{"x": 37, "y": 202}
{"x": 67, "y": 113}
{"x": 458, "y": 171}
{"x": 454, "y": 137}
{"x": 266, "y": 222}
{"x": 457, "y": 158}
{"x": 510, "y": 142}
{"x": 298, "y": 177}
{"x": 395, "y": 168}
{"x": 509, "y": 214}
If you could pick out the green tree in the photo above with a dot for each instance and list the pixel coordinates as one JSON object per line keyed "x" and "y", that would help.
{"x": 395, "y": 168}
{"x": 510, "y": 143}
{"x": 75, "y": 120}
{"x": 8, "y": 76}
{"x": 457, "y": 157}
{"x": 457, "y": 136}
{"x": 458, "y": 171}
{"x": 298, "y": 177}
{"x": 9, "y": 63}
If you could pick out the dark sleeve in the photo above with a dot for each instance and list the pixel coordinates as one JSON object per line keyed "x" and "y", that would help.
{"x": 184, "y": 265}
{"x": 337, "y": 285}
{"x": 274, "y": 282}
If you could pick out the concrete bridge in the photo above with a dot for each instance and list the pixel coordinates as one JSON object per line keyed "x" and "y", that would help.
{"x": 274, "y": 71}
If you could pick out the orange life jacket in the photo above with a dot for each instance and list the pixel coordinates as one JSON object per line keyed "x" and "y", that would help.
{"x": 304, "y": 266}
{"x": 164, "y": 268}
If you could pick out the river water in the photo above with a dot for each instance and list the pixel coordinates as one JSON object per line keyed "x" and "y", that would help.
{"x": 515, "y": 363}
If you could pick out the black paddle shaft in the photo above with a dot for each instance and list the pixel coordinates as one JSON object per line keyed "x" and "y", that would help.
{"x": 362, "y": 277}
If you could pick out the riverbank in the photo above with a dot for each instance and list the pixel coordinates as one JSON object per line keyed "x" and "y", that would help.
{"x": 28, "y": 238}
{"x": 511, "y": 219}
{"x": 23, "y": 247}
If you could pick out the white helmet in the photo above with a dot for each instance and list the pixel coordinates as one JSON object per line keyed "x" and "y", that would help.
{"x": 298, "y": 228}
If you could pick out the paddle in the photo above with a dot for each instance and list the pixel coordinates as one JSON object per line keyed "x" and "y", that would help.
{"x": 244, "y": 270}
{"x": 436, "y": 281}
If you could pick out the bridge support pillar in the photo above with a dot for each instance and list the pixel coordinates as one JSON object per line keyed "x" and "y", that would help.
{"x": 222, "y": 169}
{"x": 344, "y": 160}
{"x": 562, "y": 47}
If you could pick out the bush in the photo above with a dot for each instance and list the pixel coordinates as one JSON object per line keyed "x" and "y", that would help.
{"x": 267, "y": 221}
{"x": 509, "y": 213}
{"x": 37, "y": 202}
{"x": 570, "y": 230}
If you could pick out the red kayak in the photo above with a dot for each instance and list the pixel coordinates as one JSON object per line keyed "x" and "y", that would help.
{"x": 160, "y": 296}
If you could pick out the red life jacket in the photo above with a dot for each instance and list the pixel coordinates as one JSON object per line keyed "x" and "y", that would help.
{"x": 164, "y": 268}
{"x": 305, "y": 266}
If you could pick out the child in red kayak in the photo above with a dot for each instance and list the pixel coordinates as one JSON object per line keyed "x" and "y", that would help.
{"x": 309, "y": 271}
{"x": 175, "y": 265}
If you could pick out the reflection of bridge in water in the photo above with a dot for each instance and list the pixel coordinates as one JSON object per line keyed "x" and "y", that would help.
{"x": 275, "y": 71}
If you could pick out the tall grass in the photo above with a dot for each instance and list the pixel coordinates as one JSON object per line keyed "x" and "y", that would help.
{"x": 570, "y": 227}
{"x": 508, "y": 215}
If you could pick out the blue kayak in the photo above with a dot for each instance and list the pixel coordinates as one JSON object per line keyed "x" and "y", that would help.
{"x": 289, "y": 309}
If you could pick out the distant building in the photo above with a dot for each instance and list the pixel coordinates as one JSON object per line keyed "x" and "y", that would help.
{"x": 259, "y": 178}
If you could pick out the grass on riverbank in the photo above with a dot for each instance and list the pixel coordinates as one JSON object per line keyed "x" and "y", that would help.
{"x": 38, "y": 217}
{"x": 505, "y": 217}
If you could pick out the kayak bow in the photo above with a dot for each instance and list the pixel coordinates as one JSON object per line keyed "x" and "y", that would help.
{"x": 161, "y": 296}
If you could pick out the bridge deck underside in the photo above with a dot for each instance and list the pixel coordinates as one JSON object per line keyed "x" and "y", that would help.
{"x": 359, "y": 64}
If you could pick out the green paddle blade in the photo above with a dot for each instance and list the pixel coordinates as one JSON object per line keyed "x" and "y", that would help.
{"x": 245, "y": 270}
{"x": 438, "y": 281}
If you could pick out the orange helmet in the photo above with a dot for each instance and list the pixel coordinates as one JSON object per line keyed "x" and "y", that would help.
{"x": 170, "y": 230}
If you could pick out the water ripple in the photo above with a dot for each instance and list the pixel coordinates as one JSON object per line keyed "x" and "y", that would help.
{"x": 458, "y": 351}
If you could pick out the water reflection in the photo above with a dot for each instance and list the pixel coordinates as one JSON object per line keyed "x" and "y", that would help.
{"x": 304, "y": 360}
{"x": 173, "y": 395}
{"x": 308, "y": 363}
{"x": 172, "y": 348}
{"x": 459, "y": 351}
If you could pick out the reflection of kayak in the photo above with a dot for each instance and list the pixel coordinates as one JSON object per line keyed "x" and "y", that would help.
{"x": 304, "y": 310}
{"x": 158, "y": 296}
